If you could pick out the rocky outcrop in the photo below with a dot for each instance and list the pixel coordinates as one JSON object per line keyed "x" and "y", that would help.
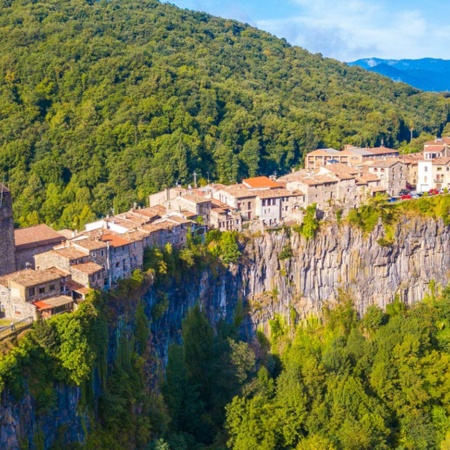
{"x": 343, "y": 259}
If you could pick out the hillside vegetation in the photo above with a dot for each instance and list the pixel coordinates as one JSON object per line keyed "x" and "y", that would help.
{"x": 102, "y": 103}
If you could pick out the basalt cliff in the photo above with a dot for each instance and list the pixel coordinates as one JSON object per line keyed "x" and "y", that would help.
{"x": 280, "y": 272}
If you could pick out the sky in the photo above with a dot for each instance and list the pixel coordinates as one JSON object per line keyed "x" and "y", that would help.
{"x": 346, "y": 29}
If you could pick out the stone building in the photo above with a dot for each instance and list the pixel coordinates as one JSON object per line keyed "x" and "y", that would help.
{"x": 392, "y": 173}
{"x": 7, "y": 245}
{"x": 19, "y": 290}
{"x": 31, "y": 241}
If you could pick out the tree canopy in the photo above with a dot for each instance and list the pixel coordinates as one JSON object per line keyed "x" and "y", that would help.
{"x": 104, "y": 102}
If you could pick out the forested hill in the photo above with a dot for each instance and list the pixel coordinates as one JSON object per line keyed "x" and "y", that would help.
{"x": 105, "y": 102}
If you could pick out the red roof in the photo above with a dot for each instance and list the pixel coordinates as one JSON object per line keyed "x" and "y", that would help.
{"x": 114, "y": 240}
{"x": 260, "y": 183}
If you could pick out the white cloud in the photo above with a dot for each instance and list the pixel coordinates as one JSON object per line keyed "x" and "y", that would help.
{"x": 348, "y": 30}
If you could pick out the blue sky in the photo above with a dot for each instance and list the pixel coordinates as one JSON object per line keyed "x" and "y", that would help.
{"x": 346, "y": 29}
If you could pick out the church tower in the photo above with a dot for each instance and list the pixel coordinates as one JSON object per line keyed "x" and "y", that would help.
{"x": 7, "y": 244}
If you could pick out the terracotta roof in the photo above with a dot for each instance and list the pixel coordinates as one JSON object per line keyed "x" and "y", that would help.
{"x": 434, "y": 148}
{"x": 89, "y": 243}
{"x": 59, "y": 272}
{"x": 442, "y": 140}
{"x": 50, "y": 303}
{"x": 238, "y": 191}
{"x": 193, "y": 198}
{"x": 70, "y": 253}
{"x": 275, "y": 193}
{"x": 411, "y": 158}
{"x": 30, "y": 277}
{"x": 442, "y": 161}
{"x": 114, "y": 240}
{"x": 315, "y": 180}
{"x": 342, "y": 171}
{"x": 151, "y": 212}
{"x": 77, "y": 287}
{"x": 260, "y": 182}
{"x": 89, "y": 268}
{"x": 135, "y": 235}
{"x": 68, "y": 234}
{"x": 36, "y": 236}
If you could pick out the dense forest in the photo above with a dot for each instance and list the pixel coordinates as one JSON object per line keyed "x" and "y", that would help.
{"x": 332, "y": 382}
{"x": 104, "y": 102}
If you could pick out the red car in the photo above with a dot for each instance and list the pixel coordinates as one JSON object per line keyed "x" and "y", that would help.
{"x": 406, "y": 197}
{"x": 433, "y": 192}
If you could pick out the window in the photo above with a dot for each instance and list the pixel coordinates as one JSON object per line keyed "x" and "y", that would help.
{"x": 52, "y": 287}
{"x": 425, "y": 169}
{"x": 117, "y": 263}
{"x": 31, "y": 291}
{"x": 249, "y": 205}
{"x": 42, "y": 290}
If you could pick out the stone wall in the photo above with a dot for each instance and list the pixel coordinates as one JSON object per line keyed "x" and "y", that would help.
{"x": 25, "y": 257}
{"x": 7, "y": 245}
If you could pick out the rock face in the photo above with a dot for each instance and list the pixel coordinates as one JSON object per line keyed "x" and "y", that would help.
{"x": 280, "y": 272}
{"x": 342, "y": 259}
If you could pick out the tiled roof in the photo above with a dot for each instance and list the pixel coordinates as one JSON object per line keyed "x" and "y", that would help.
{"x": 383, "y": 163}
{"x": 442, "y": 161}
{"x": 89, "y": 243}
{"x": 434, "y": 148}
{"x": 442, "y": 140}
{"x": 196, "y": 199}
{"x": 53, "y": 302}
{"x": 114, "y": 240}
{"x": 259, "y": 183}
{"x": 89, "y": 268}
{"x": 70, "y": 253}
{"x": 238, "y": 191}
{"x": 275, "y": 193}
{"x": 68, "y": 234}
{"x": 316, "y": 180}
{"x": 151, "y": 212}
{"x": 30, "y": 277}
{"x": 35, "y": 236}
{"x": 342, "y": 171}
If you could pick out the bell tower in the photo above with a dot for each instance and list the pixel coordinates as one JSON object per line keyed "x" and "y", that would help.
{"x": 7, "y": 244}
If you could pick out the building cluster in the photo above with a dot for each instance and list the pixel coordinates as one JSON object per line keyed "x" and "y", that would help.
{"x": 48, "y": 272}
{"x": 44, "y": 272}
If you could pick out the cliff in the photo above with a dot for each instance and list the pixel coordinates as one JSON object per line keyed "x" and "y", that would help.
{"x": 280, "y": 271}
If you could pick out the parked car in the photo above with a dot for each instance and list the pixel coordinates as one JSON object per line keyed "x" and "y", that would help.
{"x": 433, "y": 192}
{"x": 405, "y": 192}
{"x": 406, "y": 197}
{"x": 392, "y": 199}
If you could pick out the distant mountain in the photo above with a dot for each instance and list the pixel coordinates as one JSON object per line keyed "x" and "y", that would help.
{"x": 428, "y": 74}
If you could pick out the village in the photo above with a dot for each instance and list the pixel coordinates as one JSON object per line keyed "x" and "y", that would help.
{"x": 44, "y": 272}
